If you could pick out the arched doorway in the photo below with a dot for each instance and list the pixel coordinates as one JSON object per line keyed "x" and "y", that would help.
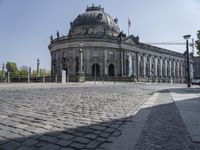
{"x": 96, "y": 70}
{"x": 111, "y": 70}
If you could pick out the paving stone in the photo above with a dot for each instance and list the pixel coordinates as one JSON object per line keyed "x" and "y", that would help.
{"x": 30, "y": 142}
{"x": 47, "y": 126}
{"x": 25, "y": 148}
{"x": 10, "y": 145}
{"x": 25, "y": 133}
{"x": 77, "y": 145}
{"x": 66, "y": 136}
{"x": 101, "y": 128}
{"x": 100, "y": 139}
{"x": 41, "y": 131}
{"x": 93, "y": 144}
{"x": 110, "y": 130}
{"x": 49, "y": 139}
{"x": 82, "y": 140}
{"x": 50, "y": 147}
{"x": 67, "y": 148}
{"x": 105, "y": 135}
{"x": 64, "y": 142}
{"x": 41, "y": 144}
{"x": 91, "y": 136}
{"x": 3, "y": 140}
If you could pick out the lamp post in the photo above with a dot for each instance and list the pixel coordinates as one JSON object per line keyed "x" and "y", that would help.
{"x": 38, "y": 66}
{"x": 186, "y": 37}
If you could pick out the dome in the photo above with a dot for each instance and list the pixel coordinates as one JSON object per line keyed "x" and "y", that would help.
{"x": 94, "y": 21}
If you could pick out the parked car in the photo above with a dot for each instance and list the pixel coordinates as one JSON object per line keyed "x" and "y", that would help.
{"x": 196, "y": 82}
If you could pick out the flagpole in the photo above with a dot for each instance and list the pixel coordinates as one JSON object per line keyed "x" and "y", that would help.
{"x": 128, "y": 30}
{"x": 129, "y": 25}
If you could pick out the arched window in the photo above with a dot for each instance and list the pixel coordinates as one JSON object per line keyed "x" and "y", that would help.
{"x": 96, "y": 70}
{"x": 111, "y": 70}
{"x": 99, "y": 16}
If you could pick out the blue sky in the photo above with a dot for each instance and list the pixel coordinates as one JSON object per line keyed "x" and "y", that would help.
{"x": 26, "y": 25}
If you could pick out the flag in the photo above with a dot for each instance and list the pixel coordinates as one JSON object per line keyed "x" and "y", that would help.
{"x": 129, "y": 23}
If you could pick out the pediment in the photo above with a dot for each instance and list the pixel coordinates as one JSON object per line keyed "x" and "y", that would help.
{"x": 129, "y": 41}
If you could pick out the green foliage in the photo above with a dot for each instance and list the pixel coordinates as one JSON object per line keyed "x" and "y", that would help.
{"x": 1, "y": 73}
{"x": 42, "y": 72}
{"x": 12, "y": 68}
{"x": 198, "y": 42}
{"x": 23, "y": 71}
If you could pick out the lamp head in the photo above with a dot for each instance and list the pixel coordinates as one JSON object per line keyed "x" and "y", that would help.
{"x": 186, "y": 37}
{"x": 80, "y": 44}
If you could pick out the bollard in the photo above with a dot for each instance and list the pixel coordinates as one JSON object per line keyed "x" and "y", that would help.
{"x": 8, "y": 77}
{"x": 28, "y": 77}
{"x": 56, "y": 79}
{"x": 43, "y": 79}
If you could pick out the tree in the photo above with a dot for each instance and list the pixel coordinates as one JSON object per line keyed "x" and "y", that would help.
{"x": 12, "y": 68}
{"x": 42, "y": 72}
{"x": 24, "y": 71}
{"x": 1, "y": 73}
{"x": 198, "y": 42}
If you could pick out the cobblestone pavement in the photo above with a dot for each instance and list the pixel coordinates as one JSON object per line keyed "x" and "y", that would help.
{"x": 67, "y": 116}
{"x": 164, "y": 128}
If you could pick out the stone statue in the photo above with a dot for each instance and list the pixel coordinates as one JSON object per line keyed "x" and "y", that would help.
{"x": 51, "y": 37}
{"x": 58, "y": 35}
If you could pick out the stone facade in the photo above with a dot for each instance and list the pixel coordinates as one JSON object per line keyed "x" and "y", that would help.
{"x": 107, "y": 52}
{"x": 196, "y": 67}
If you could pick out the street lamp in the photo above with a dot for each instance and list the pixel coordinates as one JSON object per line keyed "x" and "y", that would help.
{"x": 186, "y": 37}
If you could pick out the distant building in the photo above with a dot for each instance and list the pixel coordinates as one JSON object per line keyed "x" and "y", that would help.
{"x": 196, "y": 67}
{"x": 107, "y": 52}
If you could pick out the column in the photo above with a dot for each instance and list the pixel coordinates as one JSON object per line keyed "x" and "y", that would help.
{"x": 181, "y": 69}
{"x": 161, "y": 62}
{"x": 121, "y": 61}
{"x": 174, "y": 68}
{"x": 138, "y": 63}
{"x": 161, "y": 67}
{"x": 178, "y": 69}
{"x": 134, "y": 66}
{"x": 158, "y": 67}
{"x": 170, "y": 68}
{"x": 125, "y": 66}
{"x": 155, "y": 67}
{"x": 144, "y": 65}
{"x": 165, "y": 67}
{"x": 105, "y": 63}
{"x": 150, "y": 66}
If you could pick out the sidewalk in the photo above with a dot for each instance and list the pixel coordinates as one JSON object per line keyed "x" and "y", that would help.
{"x": 170, "y": 120}
{"x": 187, "y": 101}
{"x": 174, "y": 122}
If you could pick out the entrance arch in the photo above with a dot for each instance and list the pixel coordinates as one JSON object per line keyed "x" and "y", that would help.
{"x": 111, "y": 70}
{"x": 96, "y": 70}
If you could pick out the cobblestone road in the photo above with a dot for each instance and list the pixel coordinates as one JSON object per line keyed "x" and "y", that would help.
{"x": 69, "y": 116}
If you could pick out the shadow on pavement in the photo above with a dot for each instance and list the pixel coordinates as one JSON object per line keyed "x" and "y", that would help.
{"x": 164, "y": 124}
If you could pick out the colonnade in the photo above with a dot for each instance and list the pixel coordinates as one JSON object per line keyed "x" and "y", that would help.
{"x": 160, "y": 68}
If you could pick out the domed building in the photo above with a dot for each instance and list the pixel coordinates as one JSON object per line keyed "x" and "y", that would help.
{"x": 95, "y": 47}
